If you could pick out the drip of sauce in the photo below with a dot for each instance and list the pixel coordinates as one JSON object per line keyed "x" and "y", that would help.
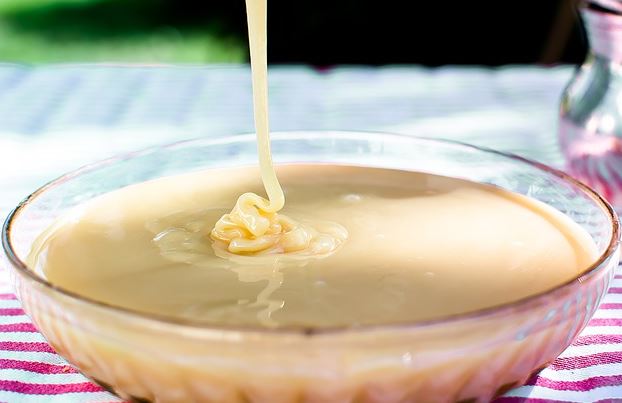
{"x": 254, "y": 226}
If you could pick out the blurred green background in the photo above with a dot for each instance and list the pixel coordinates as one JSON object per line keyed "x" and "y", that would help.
{"x": 39, "y": 31}
{"x": 316, "y": 32}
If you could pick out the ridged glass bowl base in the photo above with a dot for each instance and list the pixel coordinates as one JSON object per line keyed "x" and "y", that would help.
{"x": 457, "y": 362}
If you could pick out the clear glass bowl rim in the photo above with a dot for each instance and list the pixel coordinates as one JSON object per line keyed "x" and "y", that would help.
{"x": 23, "y": 269}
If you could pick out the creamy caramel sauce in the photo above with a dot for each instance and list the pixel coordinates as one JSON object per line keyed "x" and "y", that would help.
{"x": 420, "y": 247}
{"x": 367, "y": 246}
{"x": 254, "y": 226}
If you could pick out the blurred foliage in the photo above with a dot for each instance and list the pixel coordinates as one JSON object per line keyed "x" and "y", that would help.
{"x": 117, "y": 30}
{"x": 318, "y": 32}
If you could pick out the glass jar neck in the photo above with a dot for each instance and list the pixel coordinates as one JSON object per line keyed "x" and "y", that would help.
{"x": 605, "y": 33}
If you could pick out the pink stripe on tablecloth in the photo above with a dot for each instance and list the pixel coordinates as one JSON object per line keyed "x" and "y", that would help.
{"x": 586, "y": 360}
{"x": 578, "y": 386}
{"x": 48, "y": 389}
{"x": 38, "y": 367}
{"x": 598, "y": 339}
{"x": 11, "y": 312}
{"x": 18, "y": 327}
{"x": 29, "y": 346}
{"x": 606, "y": 322}
{"x": 616, "y": 305}
{"x": 7, "y": 296}
{"x": 615, "y": 290}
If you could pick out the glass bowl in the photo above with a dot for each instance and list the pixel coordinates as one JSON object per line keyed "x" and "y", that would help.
{"x": 472, "y": 356}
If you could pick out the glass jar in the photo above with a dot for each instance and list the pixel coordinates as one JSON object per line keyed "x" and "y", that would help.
{"x": 590, "y": 127}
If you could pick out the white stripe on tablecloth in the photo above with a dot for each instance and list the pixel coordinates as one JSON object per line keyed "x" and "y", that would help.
{"x": 580, "y": 351}
{"x": 572, "y": 375}
{"x": 602, "y": 330}
{"x": 33, "y": 377}
{"x": 10, "y": 320}
{"x": 9, "y": 304}
{"x": 22, "y": 336}
{"x": 33, "y": 356}
{"x": 612, "y": 298}
{"x": 540, "y": 392}
{"x": 608, "y": 314}
{"x": 90, "y": 397}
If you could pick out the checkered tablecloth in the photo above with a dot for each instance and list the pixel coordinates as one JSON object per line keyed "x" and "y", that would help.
{"x": 56, "y": 118}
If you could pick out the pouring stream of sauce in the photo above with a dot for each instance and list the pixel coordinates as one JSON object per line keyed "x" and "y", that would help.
{"x": 254, "y": 226}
